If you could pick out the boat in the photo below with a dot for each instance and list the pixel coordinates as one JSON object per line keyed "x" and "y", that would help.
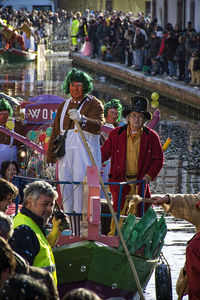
{"x": 14, "y": 55}
{"x": 100, "y": 268}
{"x": 98, "y": 262}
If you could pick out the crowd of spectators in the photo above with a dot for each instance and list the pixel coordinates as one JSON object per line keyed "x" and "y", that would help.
{"x": 44, "y": 23}
{"x": 141, "y": 44}
{"x": 125, "y": 37}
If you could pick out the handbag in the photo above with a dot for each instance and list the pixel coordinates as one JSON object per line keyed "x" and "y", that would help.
{"x": 58, "y": 150}
{"x": 59, "y": 145}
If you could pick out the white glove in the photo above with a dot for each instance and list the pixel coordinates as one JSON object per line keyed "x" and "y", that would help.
{"x": 74, "y": 114}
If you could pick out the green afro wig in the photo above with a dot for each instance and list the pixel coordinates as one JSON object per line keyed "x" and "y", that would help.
{"x": 79, "y": 76}
{"x": 113, "y": 103}
{"x": 4, "y": 105}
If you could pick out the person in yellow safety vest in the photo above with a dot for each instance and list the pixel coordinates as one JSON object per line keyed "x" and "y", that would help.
{"x": 30, "y": 238}
{"x": 74, "y": 33}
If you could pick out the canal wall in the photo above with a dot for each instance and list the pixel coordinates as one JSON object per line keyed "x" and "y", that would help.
{"x": 175, "y": 95}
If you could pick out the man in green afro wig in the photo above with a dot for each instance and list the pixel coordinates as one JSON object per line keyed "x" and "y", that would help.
{"x": 113, "y": 111}
{"x": 77, "y": 76}
{"x": 4, "y": 105}
{"x": 89, "y": 112}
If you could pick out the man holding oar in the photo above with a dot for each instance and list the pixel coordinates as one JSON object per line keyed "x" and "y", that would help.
{"x": 89, "y": 113}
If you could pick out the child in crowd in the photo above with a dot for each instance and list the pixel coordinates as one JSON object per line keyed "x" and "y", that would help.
{"x": 155, "y": 67}
{"x": 194, "y": 68}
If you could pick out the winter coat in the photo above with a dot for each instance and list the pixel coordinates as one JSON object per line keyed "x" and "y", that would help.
{"x": 154, "y": 47}
{"x": 180, "y": 53}
{"x": 193, "y": 267}
{"x": 139, "y": 41}
{"x": 190, "y": 45}
{"x": 92, "y": 111}
{"x": 150, "y": 160}
{"x": 171, "y": 46}
{"x": 102, "y": 31}
{"x": 92, "y": 33}
{"x": 184, "y": 207}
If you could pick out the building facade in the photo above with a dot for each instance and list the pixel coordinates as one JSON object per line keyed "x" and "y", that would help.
{"x": 29, "y": 5}
{"x": 95, "y": 5}
{"x": 176, "y": 11}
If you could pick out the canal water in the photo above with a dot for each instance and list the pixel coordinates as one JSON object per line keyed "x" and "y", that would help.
{"x": 181, "y": 172}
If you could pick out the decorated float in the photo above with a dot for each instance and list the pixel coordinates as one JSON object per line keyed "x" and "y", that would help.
{"x": 12, "y": 45}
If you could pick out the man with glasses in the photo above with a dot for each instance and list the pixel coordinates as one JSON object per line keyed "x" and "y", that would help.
{"x": 136, "y": 154}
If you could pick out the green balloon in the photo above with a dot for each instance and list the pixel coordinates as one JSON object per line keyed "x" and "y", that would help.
{"x": 48, "y": 131}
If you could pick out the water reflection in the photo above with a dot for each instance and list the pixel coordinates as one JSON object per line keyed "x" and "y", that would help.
{"x": 180, "y": 173}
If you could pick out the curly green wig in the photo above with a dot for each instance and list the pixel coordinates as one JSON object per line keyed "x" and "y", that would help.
{"x": 4, "y": 105}
{"x": 113, "y": 103}
{"x": 79, "y": 76}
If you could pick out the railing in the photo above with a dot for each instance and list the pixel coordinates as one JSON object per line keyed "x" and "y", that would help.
{"x": 18, "y": 179}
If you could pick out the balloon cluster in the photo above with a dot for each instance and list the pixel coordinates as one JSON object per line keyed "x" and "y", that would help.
{"x": 154, "y": 98}
{"x": 42, "y": 138}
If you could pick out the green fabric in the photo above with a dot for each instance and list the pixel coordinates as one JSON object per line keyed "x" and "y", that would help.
{"x": 101, "y": 264}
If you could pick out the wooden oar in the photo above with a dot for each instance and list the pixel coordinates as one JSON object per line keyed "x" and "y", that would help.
{"x": 132, "y": 266}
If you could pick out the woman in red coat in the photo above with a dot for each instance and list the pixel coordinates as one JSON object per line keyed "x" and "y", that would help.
{"x": 136, "y": 154}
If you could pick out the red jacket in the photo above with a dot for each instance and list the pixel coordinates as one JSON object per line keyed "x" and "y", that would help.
{"x": 150, "y": 160}
{"x": 193, "y": 267}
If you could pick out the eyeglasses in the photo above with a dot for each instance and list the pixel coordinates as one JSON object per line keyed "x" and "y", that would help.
{"x": 136, "y": 117}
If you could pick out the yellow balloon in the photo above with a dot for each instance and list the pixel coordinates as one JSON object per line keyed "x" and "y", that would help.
{"x": 10, "y": 124}
{"x": 155, "y": 96}
{"x": 154, "y": 104}
{"x": 103, "y": 48}
{"x": 46, "y": 140}
{"x": 23, "y": 154}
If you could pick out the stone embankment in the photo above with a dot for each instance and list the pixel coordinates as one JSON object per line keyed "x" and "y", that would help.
{"x": 173, "y": 94}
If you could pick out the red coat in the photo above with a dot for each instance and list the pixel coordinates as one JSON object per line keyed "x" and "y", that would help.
{"x": 193, "y": 267}
{"x": 150, "y": 160}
